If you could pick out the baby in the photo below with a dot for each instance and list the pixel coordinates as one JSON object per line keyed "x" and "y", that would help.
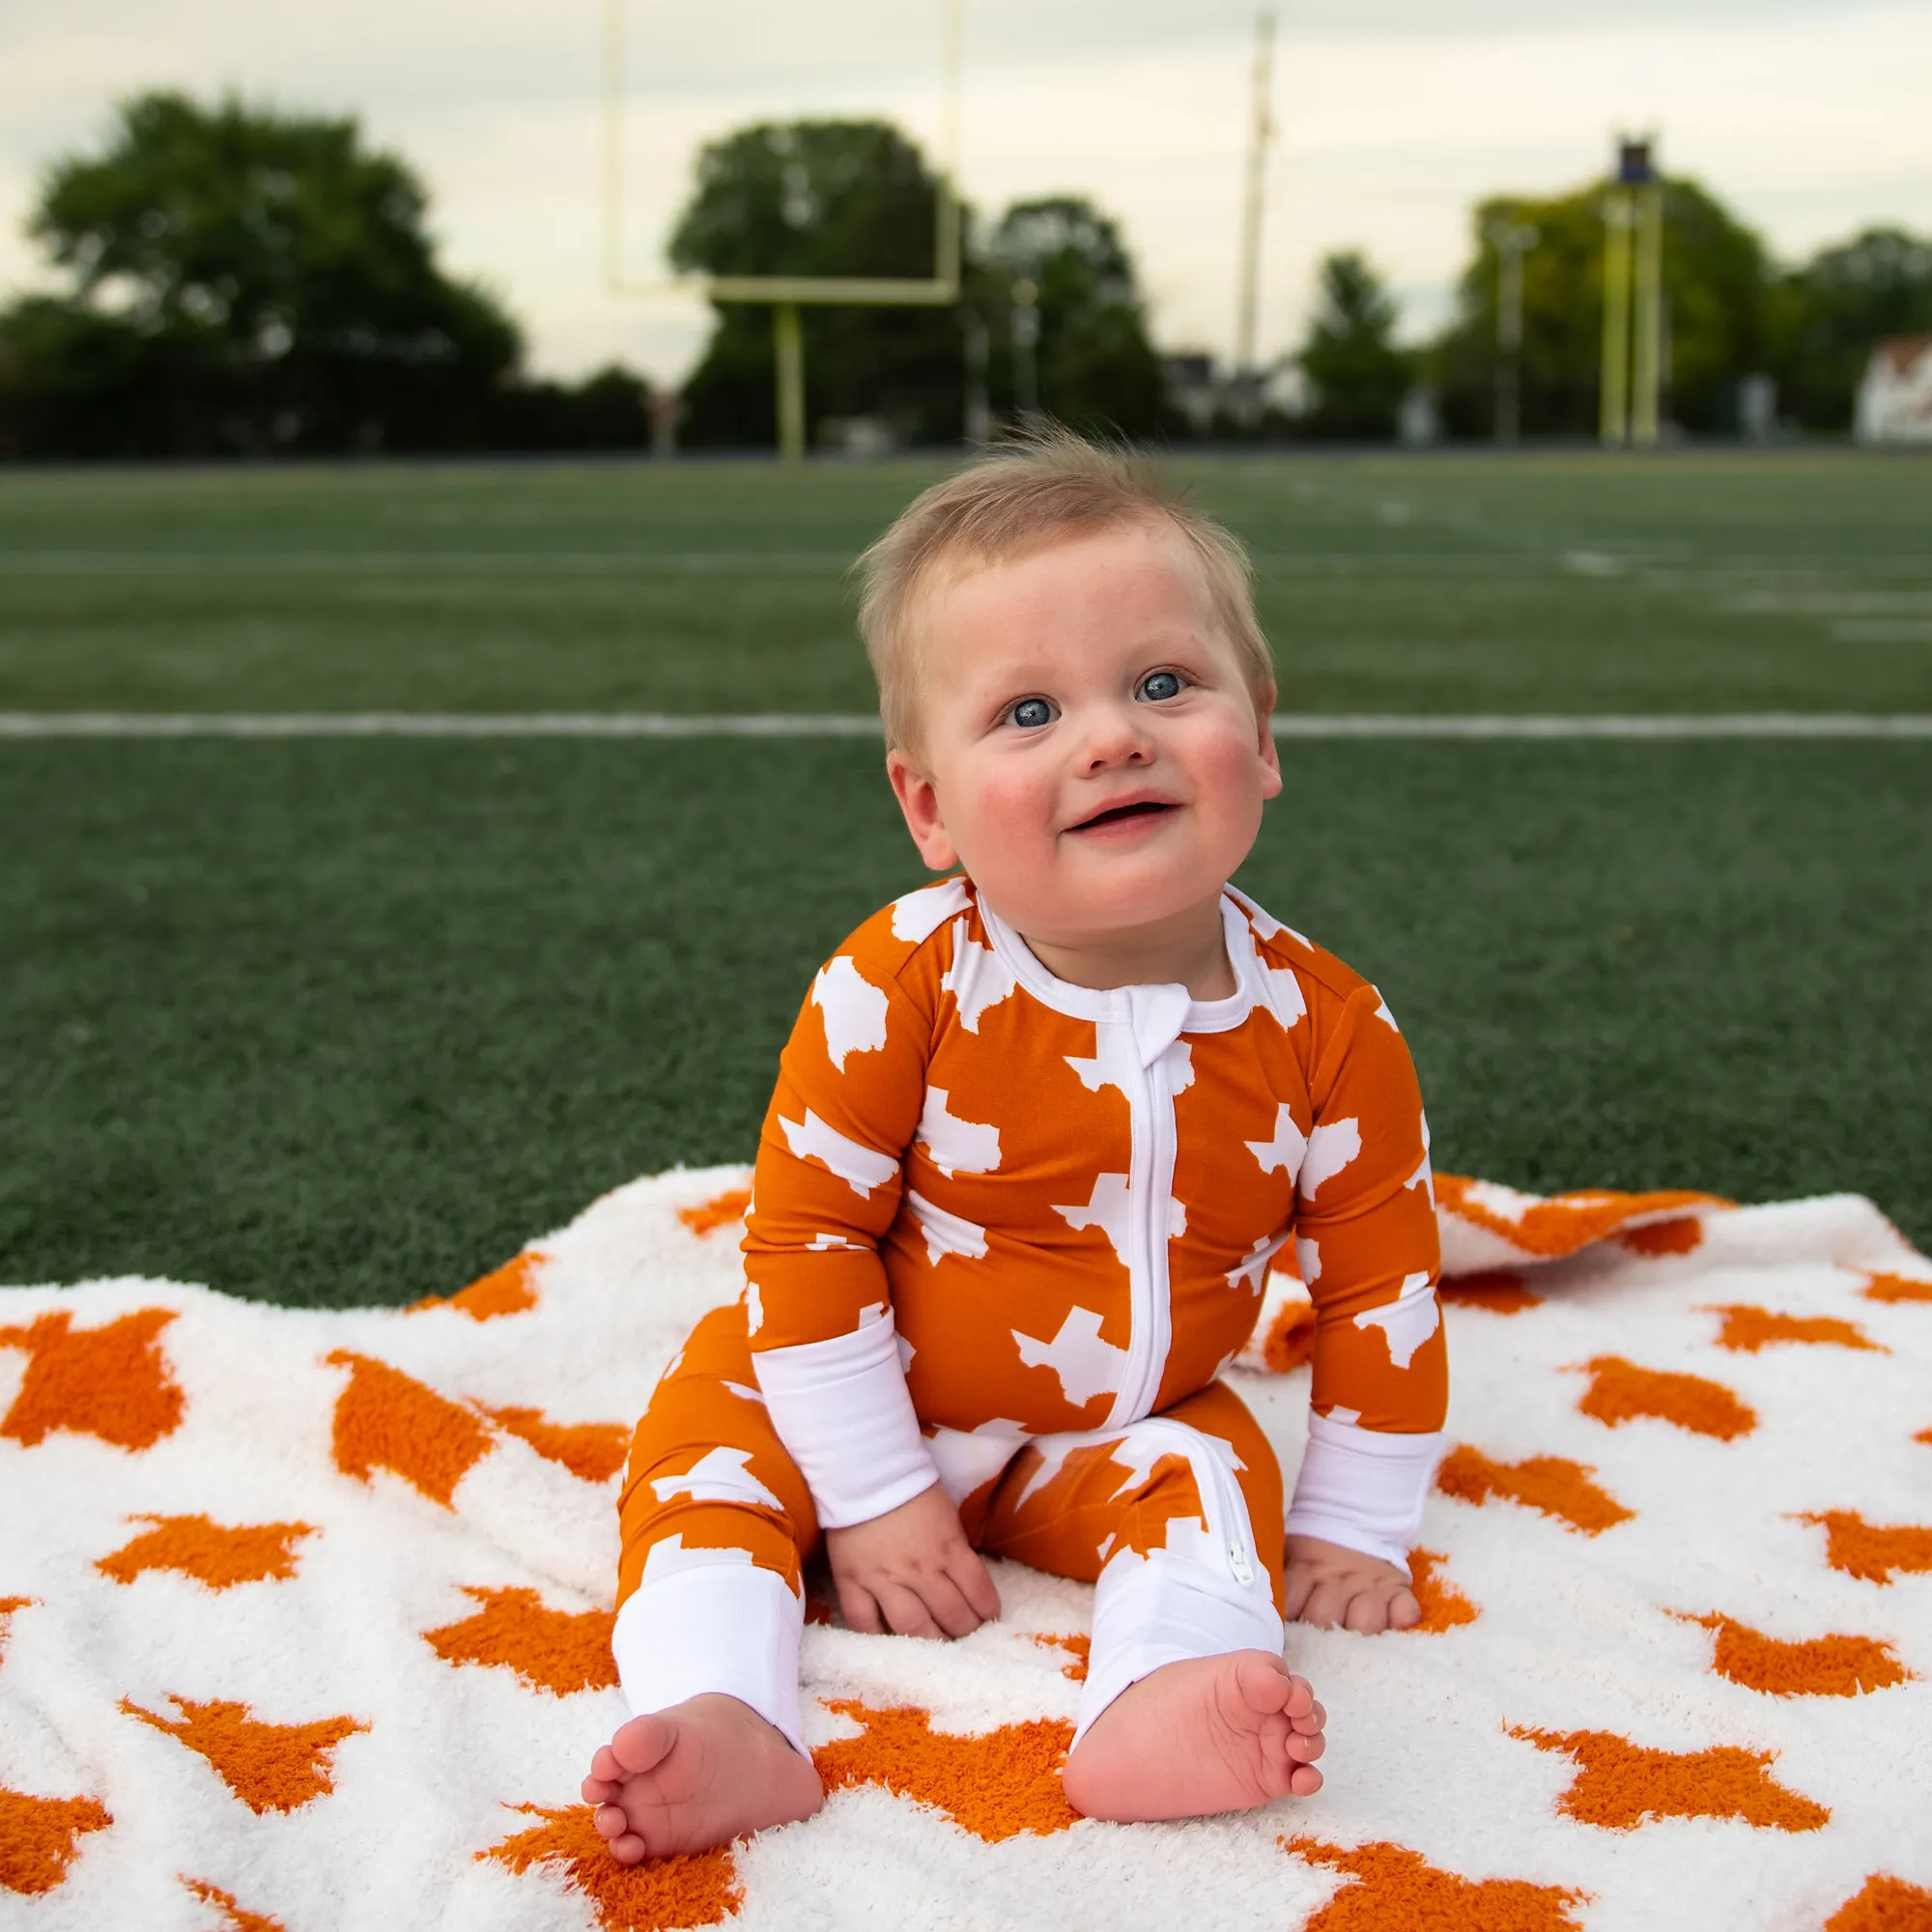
{"x": 1037, "y": 1134}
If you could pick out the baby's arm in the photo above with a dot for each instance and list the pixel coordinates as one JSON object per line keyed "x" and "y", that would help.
{"x": 850, "y": 1093}
{"x": 1367, "y": 1245}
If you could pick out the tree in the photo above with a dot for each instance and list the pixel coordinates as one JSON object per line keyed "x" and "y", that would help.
{"x": 247, "y": 280}
{"x": 819, "y": 198}
{"x": 1356, "y": 375}
{"x": 856, "y": 198}
{"x": 1829, "y": 314}
{"x": 1097, "y": 369}
{"x": 1715, "y": 286}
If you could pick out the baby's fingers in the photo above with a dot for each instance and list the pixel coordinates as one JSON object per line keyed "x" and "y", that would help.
{"x": 976, "y": 1584}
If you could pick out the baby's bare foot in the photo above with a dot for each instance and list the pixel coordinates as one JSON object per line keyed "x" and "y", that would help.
{"x": 698, "y": 1774}
{"x": 1209, "y": 1734}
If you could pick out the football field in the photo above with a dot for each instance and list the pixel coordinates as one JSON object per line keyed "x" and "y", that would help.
{"x": 332, "y": 1019}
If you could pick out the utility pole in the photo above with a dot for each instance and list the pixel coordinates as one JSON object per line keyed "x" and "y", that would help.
{"x": 1260, "y": 131}
{"x": 1512, "y": 241}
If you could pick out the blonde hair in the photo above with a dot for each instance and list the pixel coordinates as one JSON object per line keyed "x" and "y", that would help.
{"x": 1050, "y": 485}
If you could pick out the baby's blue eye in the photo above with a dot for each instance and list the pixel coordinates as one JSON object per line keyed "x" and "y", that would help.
{"x": 1159, "y": 684}
{"x": 1031, "y": 713}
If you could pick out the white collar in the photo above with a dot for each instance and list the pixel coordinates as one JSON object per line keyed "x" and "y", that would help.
{"x": 1158, "y": 1014}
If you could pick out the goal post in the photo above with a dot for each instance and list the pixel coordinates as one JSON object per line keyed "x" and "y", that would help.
{"x": 786, "y": 293}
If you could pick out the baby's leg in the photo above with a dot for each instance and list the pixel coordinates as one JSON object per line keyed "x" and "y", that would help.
{"x": 1189, "y": 1707}
{"x": 716, "y": 1519}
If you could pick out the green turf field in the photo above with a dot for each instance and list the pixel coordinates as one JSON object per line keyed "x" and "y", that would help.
{"x": 331, "y": 1021}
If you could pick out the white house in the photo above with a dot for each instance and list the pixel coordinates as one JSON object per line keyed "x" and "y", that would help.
{"x": 1895, "y": 392}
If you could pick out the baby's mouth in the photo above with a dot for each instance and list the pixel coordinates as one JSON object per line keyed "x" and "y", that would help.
{"x": 1145, "y": 808}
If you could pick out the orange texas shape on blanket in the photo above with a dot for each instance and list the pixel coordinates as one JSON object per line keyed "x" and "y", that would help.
{"x": 1872, "y": 1551}
{"x": 1884, "y": 1904}
{"x": 1443, "y": 1605}
{"x": 1748, "y": 1329}
{"x": 510, "y": 1289}
{"x": 211, "y": 1552}
{"x": 1819, "y": 1666}
{"x": 1895, "y": 1287}
{"x": 7, "y": 1605}
{"x": 235, "y": 1917}
{"x": 1560, "y": 1224}
{"x": 111, "y": 1381}
{"x": 1394, "y": 1889}
{"x": 996, "y": 1786}
{"x": 388, "y": 1420}
{"x": 269, "y": 1767}
{"x": 1619, "y": 1784}
{"x": 558, "y": 1650}
{"x": 695, "y": 1890}
{"x": 1499, "y": 1291}
{"x": 1621, "y": 1392}
{"x": 1553, "y": 1484}
{"x": 40, "y": 1837}
{"x": 591, "y": 1451}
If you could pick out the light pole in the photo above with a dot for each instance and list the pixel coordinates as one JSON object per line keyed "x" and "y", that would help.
{"x": 1512, "y": 241}
{"x": 1632, "y": 299}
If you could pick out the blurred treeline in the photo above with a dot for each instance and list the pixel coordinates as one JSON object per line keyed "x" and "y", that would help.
{"x": 244, "y": 282}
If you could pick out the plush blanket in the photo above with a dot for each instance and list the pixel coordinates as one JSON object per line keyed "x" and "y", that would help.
{"x": 303, "y": 1617}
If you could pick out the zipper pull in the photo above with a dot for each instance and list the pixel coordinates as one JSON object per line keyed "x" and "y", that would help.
{"x": 1237, "y": 1562}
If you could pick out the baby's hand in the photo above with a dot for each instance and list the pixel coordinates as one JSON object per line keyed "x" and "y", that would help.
{"x": 912, "y": 1572}
{"x": 1328, "y": 1584}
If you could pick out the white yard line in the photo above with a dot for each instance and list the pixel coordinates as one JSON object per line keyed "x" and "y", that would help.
{"x": 862, "y": 725}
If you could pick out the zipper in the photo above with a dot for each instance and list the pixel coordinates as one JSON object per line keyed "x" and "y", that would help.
{"x": 1150, "y": 1159}
{"x": 1220, "y": 1499}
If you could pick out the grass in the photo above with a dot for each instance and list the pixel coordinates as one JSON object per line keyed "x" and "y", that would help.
{"x": 1448, "y": 585}
{"x": 330, "y": 1022}
{"x": 349, "y": 1021}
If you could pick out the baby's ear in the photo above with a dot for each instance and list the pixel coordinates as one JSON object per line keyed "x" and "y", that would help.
{"x": 1269, "y": 750}
{"x": 920, "y": 802}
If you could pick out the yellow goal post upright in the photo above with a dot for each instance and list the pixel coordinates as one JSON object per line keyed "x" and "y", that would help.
{"x": 786, "y": 293}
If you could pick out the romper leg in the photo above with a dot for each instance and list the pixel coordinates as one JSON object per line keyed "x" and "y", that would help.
{"x": 1177, "y": 1519}
{"x": 715, "y": 1522}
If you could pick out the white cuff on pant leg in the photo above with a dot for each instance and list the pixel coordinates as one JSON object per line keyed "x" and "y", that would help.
{"x": 727, "y": 1627}
{"x": 1159, "y": 1609}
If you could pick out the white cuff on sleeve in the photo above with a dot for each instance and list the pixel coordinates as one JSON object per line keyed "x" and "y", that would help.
{"x": 1363, "y": 1488}
{"x": 841, "y": 1409}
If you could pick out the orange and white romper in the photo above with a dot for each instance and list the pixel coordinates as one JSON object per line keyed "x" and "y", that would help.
{"x": 1007, "y": 1235}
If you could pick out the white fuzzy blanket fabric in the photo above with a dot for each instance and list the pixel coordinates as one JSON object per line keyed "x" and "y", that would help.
{"x": 305, "y": 1614}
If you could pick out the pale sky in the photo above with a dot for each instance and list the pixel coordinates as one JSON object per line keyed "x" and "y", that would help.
{"x": 1809, "y": 118}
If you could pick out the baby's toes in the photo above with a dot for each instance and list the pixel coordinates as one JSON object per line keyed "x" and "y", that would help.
{"x": 1306, "y": 1781}
{"x": 629, "y": 1850}
{"x": 596, "y": 1790}
{"x": 610, "y": 1822}
{"x": 1300, "y": 1699}
{"x": 1306, "y": 1750}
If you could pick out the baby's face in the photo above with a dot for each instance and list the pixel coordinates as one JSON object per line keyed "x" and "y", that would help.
{"x": 1090, "y": 751}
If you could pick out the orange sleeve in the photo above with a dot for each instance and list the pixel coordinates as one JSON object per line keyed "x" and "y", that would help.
{"x": 1365, "y": 1229}
{"x": 850, "y": 1088}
